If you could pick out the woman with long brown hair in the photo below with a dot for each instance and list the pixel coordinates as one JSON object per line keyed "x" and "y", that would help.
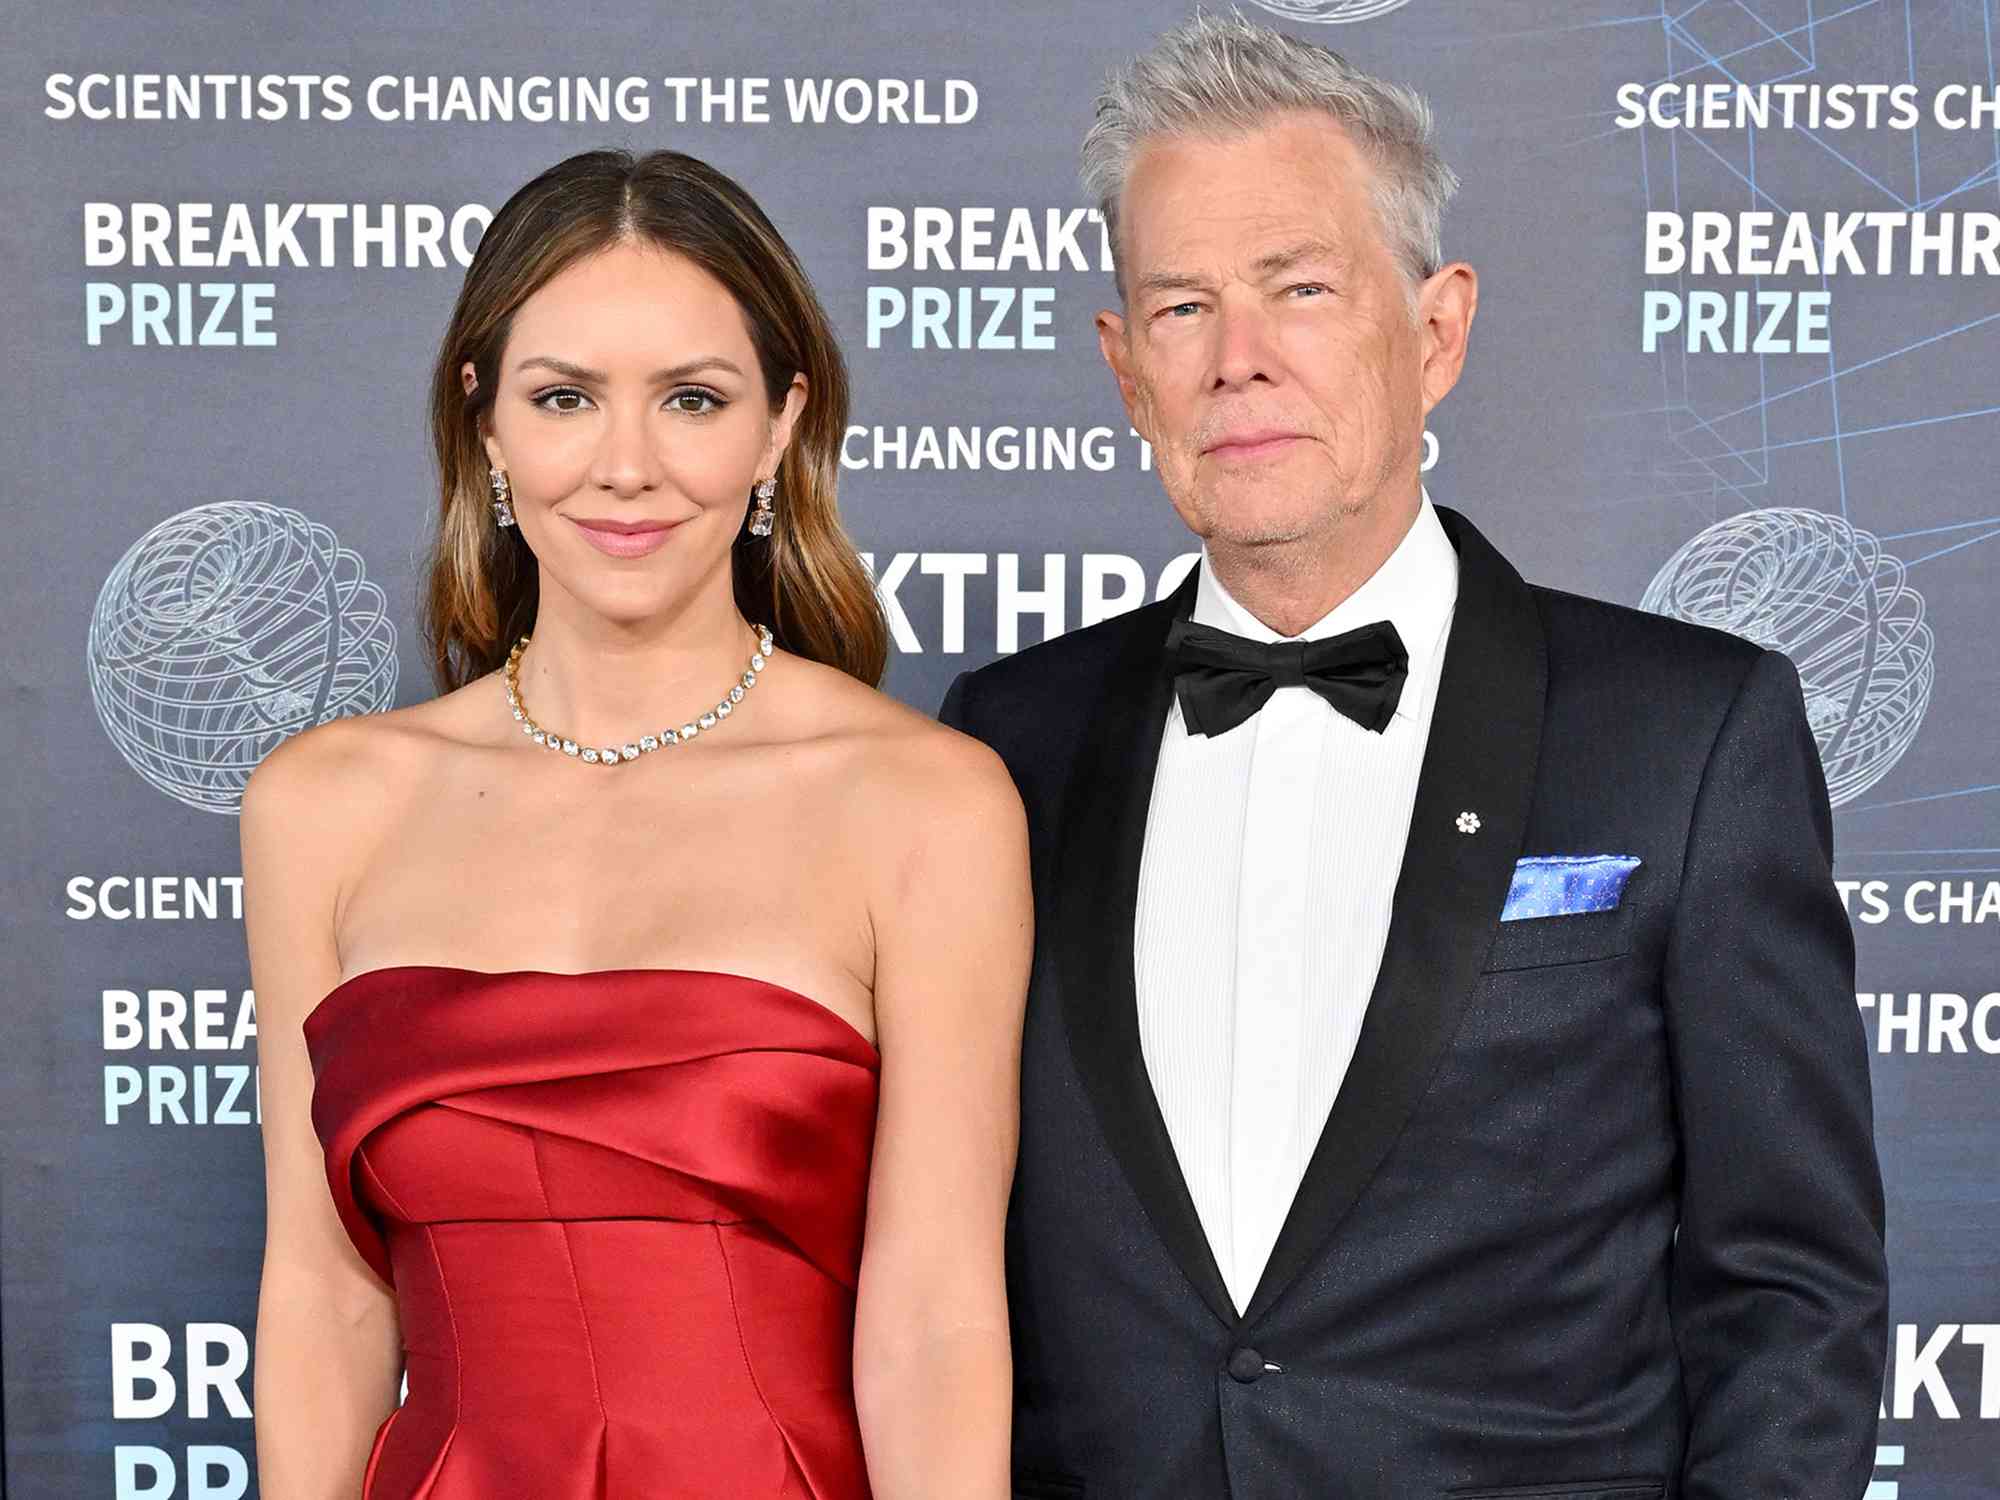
{"x": 640, "y": 1017}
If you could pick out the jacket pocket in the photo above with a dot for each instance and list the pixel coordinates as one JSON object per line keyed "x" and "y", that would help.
{"x": 1544, "y": 942}
{"x": 1570, "y": 1489}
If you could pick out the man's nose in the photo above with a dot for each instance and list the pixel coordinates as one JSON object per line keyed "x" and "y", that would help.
{"x": 1243, "y": 352}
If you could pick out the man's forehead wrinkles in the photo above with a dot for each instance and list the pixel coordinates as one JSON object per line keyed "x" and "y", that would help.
{"x": 1306, "y": 247}
{"x": 1194, "y": 260}
{"x": 1189, "y": 221}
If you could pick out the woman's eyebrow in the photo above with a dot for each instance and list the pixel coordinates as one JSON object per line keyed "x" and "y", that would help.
{"x": 680, "y": 371}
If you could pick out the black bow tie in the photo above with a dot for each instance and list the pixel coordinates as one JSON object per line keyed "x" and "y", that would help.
{"x": 1222, "y": 679}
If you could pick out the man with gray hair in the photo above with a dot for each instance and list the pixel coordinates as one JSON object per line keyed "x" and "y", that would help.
{"x": 1442, "y": 1075}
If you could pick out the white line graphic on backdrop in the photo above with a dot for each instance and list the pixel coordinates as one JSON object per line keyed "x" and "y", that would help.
{"x": 1331, "y": 12}
{"x": 1886, "y": 1457}
{"x": 224, "y": 629}
{"x": 1825, "y": 593}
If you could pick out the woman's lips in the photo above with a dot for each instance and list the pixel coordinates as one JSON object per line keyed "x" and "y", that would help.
{"x": 624, "y": 543}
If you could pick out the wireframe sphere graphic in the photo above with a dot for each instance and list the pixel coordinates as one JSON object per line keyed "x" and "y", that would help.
{"x": 225, "y": 629}
{"x": 1826, "y": 594}
{"x": 1331, "y": 12}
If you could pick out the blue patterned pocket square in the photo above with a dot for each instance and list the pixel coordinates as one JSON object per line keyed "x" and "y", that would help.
{"x": 1557, "y": 885}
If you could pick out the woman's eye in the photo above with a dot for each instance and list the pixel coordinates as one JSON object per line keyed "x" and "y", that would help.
{"x": 566, "y": 399}
{"x": 676, "y": 401}
{"x": 551, "y": 400}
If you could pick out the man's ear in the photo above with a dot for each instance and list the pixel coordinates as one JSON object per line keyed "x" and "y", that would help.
{"x": 469, "y": 378}
{"x": 1117, "y": 352}
{"x": 1445, "y": 308}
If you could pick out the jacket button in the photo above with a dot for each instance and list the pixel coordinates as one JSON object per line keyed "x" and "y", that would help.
{"x": 1246, "y": 1365}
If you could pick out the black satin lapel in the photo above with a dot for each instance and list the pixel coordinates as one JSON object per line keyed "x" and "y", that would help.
{"x": 1485, "y": 739}
{"x": 1097, "y": 869}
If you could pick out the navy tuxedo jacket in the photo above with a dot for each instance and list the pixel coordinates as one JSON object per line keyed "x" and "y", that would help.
{"x": 1596, "y": 1213}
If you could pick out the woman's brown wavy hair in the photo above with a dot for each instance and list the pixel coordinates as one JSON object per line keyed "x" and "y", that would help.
{"x": 805, "y": 580}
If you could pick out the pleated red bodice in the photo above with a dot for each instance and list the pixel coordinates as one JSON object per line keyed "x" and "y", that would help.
{"x": 621, "y": 1211}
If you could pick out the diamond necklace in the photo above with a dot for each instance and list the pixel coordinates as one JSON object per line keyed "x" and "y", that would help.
{"x": 613, "y": 755}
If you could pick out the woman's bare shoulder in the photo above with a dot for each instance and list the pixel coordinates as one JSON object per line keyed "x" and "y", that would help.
{"x": 909, "y": 787}
{"x": 888, "y": 749}
{"x": 940, "y": 844}
{"x": 336, "y": 783}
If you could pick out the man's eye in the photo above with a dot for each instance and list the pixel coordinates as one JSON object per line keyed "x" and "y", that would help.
{"x": 1307, "y": 286}
{"x": 1179, "y": 307}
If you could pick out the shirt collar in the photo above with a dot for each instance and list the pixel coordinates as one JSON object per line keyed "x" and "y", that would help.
{"x": 1414, "y": 589}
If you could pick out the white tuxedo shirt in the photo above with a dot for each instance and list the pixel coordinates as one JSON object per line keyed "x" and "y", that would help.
{"x": 1270, "y": 862}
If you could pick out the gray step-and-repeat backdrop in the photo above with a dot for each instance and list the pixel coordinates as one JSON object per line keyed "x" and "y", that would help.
{"x": 1741, "y": 370}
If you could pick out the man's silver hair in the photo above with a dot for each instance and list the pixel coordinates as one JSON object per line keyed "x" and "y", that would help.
{"x": 1217, "y": 76}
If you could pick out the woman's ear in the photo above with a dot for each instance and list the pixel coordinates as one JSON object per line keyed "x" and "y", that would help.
{"x": 782, "y": 422}
{"x": 469, "y": 378}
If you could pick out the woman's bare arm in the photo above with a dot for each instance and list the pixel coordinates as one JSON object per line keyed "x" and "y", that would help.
{"x": 328, "y": 1349}
{"x": 954, "y": 920}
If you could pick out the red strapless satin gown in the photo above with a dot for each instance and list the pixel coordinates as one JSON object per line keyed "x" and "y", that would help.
{"x": 621, "y": 1211}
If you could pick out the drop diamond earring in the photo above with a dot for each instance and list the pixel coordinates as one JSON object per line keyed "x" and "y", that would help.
{"x": 503, "y": 509}
{"x": 760, "y": 518}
